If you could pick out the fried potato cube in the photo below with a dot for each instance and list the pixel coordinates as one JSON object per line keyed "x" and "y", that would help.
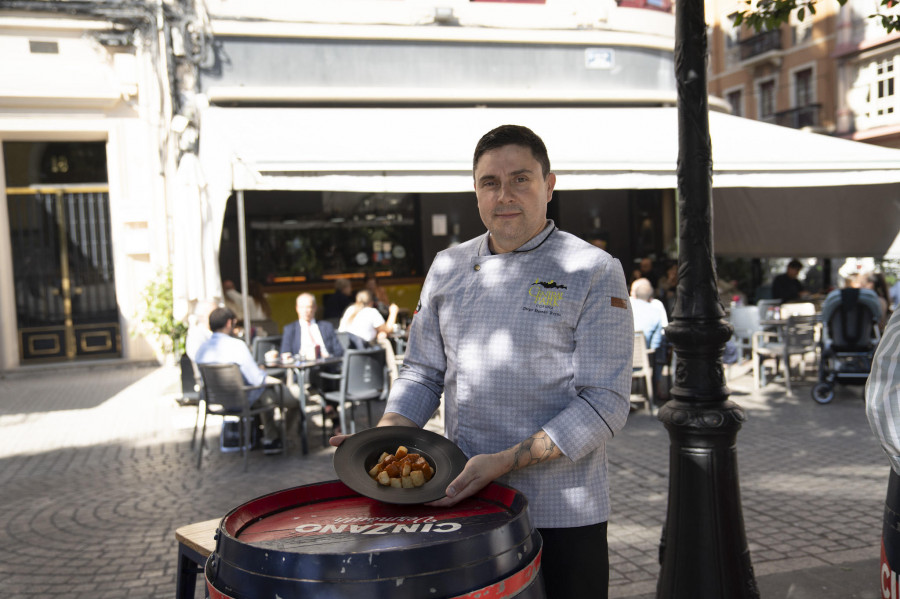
{"x": 383, "y": 478}
{"x": 383, "y": 455}
{"x": 417, "y": 478}
{"x": 401, "y": 452}
{"x": 428, "y": 472}
{"x": 397, "y": 483}
{"x": 412, "y": 457}
{"x": 406, "y": 469}
{"x": 406, "y": 482}
{"x": 375, "y": 470}
{"x": 394, "y": 470}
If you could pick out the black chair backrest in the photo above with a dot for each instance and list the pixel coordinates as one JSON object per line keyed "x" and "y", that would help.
{"x": 351, "y": 341}
{"x": 852, "y": 325}
{"x": 364, "y": 373}
{"x": 800, "y": 331}
{"x": 223, "y": 385}
{"x": 261, "y": 345}
{"x": 188, "y": 381}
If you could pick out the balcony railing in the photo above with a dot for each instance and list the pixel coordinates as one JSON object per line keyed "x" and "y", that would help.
{"x": 799, "y": 117}
{"x": 766, "y": 41}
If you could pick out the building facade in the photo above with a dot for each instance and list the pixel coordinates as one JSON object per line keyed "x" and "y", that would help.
{"x": 102, "y": 122}
{"x": 868, "y": 76}
{"x": 785, "y": 76}
{"x": 834, "y": 72}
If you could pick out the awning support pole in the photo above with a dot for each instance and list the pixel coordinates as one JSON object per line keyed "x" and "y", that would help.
{"x": 242, "y": 250}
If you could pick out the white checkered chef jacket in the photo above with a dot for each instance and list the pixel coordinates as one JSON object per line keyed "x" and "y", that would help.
{"x": 538, "y": 338}
{"x": 883, "y": 391}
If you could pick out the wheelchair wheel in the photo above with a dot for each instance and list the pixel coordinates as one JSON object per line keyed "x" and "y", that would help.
{"x": 823, "y": 393}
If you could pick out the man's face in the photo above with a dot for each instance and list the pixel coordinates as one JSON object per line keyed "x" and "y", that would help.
{"x": 512, "y": 196}
{"x": 306, "y": 308}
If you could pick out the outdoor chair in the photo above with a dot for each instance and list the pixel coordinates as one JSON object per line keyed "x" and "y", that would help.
{"x": 798, "y": 336}
{"x": 260, "y": 345}
{"x": 745, "y": 320}
{"x": 225, "y": 394}
{"x": 642, "y": 369}
{"x": 363, "y": 378}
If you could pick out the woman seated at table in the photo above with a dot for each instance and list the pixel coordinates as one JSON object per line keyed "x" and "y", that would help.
{"x": 363, "y": 320}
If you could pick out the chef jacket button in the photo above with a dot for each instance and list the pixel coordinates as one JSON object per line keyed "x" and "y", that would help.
{"x": 477, "y": 267}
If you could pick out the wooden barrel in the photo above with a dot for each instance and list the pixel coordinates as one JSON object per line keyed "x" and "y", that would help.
{"x": 327, "y": 541}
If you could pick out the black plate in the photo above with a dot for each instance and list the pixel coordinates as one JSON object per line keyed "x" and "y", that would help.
{"x": 360, "y": 452}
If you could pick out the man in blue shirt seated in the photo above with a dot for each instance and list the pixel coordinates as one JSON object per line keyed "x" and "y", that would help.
{"x": 649, "y": 318}
{"x": 223, "y": 348}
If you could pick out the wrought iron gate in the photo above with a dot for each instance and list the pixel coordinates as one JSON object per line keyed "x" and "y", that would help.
{"x": 63, "y": 272}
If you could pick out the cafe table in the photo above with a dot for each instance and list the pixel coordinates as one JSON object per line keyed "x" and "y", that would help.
{"x": 796, "y": 341}
{"x": 298, "y": 371}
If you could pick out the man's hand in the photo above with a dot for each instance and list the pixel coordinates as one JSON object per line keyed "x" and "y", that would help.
{"x": 483, "y": 469}
{"x": 336, "y": 440}
{"x": 478, "y": 473}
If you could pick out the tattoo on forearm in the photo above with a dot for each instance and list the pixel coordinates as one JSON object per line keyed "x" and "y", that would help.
{"x": 533, "y": 451}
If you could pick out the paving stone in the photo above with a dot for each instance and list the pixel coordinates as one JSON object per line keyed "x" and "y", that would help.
{"x": 96, "y": 473}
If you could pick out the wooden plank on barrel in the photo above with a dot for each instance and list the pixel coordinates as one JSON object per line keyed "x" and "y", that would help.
{"x": 199, "y": 536}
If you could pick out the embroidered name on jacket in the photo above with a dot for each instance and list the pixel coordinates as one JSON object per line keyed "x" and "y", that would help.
{"x": 546, "y": 294}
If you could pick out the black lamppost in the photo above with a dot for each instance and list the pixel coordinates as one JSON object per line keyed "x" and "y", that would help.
{"x": 704, "y": 552}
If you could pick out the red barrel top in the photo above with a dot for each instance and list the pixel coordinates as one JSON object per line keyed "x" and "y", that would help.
{"x": 332, "y": 518}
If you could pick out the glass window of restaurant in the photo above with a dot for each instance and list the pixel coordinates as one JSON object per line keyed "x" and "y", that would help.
{"x": 316, "y": 237}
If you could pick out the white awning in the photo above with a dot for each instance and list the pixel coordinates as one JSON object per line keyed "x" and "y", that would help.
{"x": 430, "y": 149}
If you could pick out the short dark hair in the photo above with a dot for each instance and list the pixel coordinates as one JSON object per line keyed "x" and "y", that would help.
{"x": 506, "y": 135}
{"x": 219, "y": 317}
{"x": 795, "y": 264}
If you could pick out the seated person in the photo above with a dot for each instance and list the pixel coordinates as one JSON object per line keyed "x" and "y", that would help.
{"x": 337, "y": 302}
{"x": 223, "y": 348}
{"x": 786, "y": 286}
{"x": 649, "y": 318}
{"x": 364, "y": 321}
{"x": 303, "y": 336}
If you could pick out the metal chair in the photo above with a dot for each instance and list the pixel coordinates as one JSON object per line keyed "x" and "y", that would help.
{"x": 225, "y": 394}
{"x": 641, "y": 368}
{"x": 745, "y": 320}
{"x": 260, "y": 345}
{"x": 797, "y": 337}
{"x": 364, "y": 378}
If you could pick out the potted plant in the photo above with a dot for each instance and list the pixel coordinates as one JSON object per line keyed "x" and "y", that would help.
{"x": 157, "y": 317}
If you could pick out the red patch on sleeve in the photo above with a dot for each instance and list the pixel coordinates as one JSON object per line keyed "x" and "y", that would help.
{"x": 618, "y": 302}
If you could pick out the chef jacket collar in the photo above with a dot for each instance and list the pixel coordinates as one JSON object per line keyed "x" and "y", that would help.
{"x": 532, "y": 244}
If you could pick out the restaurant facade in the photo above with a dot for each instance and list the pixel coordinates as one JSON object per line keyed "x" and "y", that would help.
{"x": 294, "y": 145}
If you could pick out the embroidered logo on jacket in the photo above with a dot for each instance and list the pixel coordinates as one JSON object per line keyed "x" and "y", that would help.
{"x": 546, "y": 294}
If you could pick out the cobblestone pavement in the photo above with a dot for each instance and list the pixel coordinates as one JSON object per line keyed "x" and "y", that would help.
{"x": 96, "y": 474}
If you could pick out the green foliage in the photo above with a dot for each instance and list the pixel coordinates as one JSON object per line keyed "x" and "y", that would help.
{"x": 770, "y": 14}
{"x": 158, "y": 319}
